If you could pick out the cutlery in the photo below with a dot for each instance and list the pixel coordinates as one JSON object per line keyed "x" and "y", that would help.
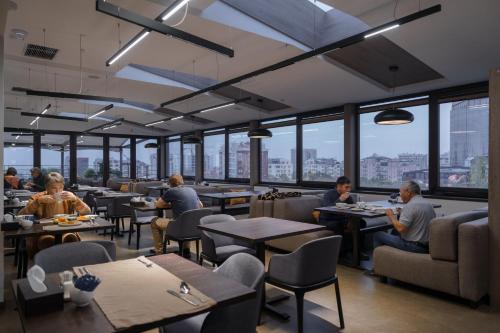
{"x": 148, "y": 264}
{"x": 185, "y": 289}
{"x": 176, "y": 294}
{"x": 86, "y": 270}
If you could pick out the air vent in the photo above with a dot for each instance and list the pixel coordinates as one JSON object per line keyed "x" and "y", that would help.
{"x": 39, "y": 51}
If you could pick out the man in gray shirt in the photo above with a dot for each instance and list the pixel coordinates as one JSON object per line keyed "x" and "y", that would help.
{"x": 411, "y": 231}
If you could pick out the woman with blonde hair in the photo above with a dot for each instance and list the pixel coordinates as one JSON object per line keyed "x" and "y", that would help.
{"x": 54, "y": 200}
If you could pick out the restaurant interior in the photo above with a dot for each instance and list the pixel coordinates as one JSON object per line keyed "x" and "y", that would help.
{"x": 249, "y": 166}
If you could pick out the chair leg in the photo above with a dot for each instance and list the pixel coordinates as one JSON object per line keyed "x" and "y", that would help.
{"x": 165, "y": 241}
{"x": 339, "y": 304}
{"x": 197, "y": 250}
{"x": 16, "y": 252}
{"x": 123, "y": 224}
{"x": 130, "y": 228}
{"x": 200, "y": 261}
{"x": 181, "y": 248}
{"x": 138, "y": 236}
{"x": 299, "y": 296}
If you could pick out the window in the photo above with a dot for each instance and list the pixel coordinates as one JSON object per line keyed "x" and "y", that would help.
{"x": 323, "y": 151}
{"x": 174, "y": 157}
{"x": 391, "y": 154}
{"x": 189, "y": 160}
{"x": 89, "y": 160}
{"x": 18, "y": 153}
{"x": 214, "y": 156}
{"x": 278, "y": 156}
{"x": 119, "y": 157}
{"x": 55, "y": 154}
{"x": 239, "y": 156}
{"x": 463, "y": 152}
{"x": 147, "y": 159}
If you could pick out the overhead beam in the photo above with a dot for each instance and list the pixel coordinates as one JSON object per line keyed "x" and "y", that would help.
{"x": 152, "y": 25}
{"x": 56, "y": 94}
{"x": 357, "y": 38}
{"x": 109, "y": 123}
{"x": 31, "y": 114}
{"x": 139, "y": 125}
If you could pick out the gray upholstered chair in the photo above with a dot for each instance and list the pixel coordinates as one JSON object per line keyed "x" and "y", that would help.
{"x": 118, "y": 212}
{"x": 185, "y": 229}
{"x": 110, "y": 247}
{"x": 139, "y": 219}
{"x": 240, "y": 317}
{"x": 312, "y": 266}
{"x": 63, "y": 257}
{"x": 217, "y": 248}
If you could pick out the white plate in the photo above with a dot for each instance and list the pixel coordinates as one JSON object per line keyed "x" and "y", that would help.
{"x": 62, "y": 224}
{"x": 357, "y": 209}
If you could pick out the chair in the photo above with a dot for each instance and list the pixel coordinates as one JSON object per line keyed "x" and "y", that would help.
{"x": 240, "y": 317}
{"x": 63, "y": 257}
{"x": 139, "y": 219}
{"x": 117, "y": 211}
{"x": 312, "y": 266}
{"x": 110, "y": 247}
{"x": 217, "y": 248}
{"x": 185, "y": 228}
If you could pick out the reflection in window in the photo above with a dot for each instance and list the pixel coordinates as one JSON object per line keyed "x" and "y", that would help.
{"x": 174, "y": 157}
{"x": 278, "y": 156}
{"x": 464, "y": 143}
{"x": 323, "y": 151}
{"x": 189, "y": 160}
{"x": 55, "y": 154}
{"x": 147, "y": 159}
{"x": 89, "y": 160}
{"x": 18, "y": 153}
{"x": 239, "y": 156}
{"x": 391, "y": 154}
{"x": 119, "y": 158}
{"x": 214, "y": 156}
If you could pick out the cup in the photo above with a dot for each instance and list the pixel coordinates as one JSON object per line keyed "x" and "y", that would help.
{"x": 361, "y": 204}
{"x": 16, "y": 201}
{"x": 57, "y": 196}
{"x": 26, "y": 224}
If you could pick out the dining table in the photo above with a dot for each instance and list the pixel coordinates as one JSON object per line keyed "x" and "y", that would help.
{"x": 222, "y": 290}
{"x": 354, "y": 216}
{"x": 107, "y": 197}
{"x": 9, "y": 206}
{"x": 256, "y": 231}
{"x": 161, "y": 188}
{"x": 221, "y": 197}
{"x": 47, "y": 227}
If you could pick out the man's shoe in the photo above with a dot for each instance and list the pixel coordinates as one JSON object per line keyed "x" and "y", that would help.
{"x": 186, "y": 253}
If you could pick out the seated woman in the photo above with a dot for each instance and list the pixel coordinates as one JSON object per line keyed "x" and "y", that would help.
{"x": 54, "y": 200}
{"x": 11, "y": 180}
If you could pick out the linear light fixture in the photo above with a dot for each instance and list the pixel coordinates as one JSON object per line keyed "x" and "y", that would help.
{"x": 29, "y": 114}
{"x": 109, "y": 127}
{"x": 133, "y": 42}
{"x": 101, "y": 111}
{"x": 170, "y": 12}
{"x": 38, "y": 117}
{"x": 155, "y": 123}
{"x": 176, "y": 118}
{"x": 108, "y": 124}
{"x": 17, "y": 137}
{"x": 378, "y": 32}
{"x": 46, "y": 109}
{"x": 217, "y": 107}
{"x": 34, "y": 121}
{"x": 313, "y": 53}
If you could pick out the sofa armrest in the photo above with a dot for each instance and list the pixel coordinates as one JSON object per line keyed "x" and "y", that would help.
{"x": 473, "y": 259}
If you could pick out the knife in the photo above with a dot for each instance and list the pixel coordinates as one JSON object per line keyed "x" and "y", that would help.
{"x": 176, "y": 294}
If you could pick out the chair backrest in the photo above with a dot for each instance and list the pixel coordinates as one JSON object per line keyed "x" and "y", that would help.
{"x": 117, "y": 209}
{"x": 240, "y": 317}
{"x": 309, "y": 264}
{"x": 63, "y": 257}
{"x": 110, "y": 247}
{"x": 219, "y": 240}
{"x": 186, "y": 225}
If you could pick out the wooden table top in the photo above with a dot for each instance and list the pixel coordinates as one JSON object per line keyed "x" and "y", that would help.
{"x": 157, "y": 187}
{"x": 228, "y": 195}
{"x": 37, "y": 229}
{"x": 144, "y": 208}
{"x": 364, "y": 213}
{"x": 223, "y": 290}
{"x": 261, "y": 229}
{"x": 112, "y": 195}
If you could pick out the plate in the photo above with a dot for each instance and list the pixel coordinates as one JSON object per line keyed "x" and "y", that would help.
{"x": 357, "y": 209}
{"x": 69, "y": 224}
{"x": 84, "y": 218}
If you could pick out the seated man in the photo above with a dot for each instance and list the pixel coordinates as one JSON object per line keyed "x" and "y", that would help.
{"x": 181, "y": 199}
{"x": 412, "y": 229}
{"x": 339, "y": 194}
{"x": 37, "y": 183}
{"x": 11, "y": 180}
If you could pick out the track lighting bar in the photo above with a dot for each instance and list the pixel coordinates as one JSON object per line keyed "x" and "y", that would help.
{"x": 30, "y": 114}
{"x": 101, "y": 111}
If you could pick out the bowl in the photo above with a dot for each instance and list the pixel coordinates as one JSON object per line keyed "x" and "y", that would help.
{"x": 56, "y": 216}
{"x": 81, "y": 298}
{"x": 26, "y": 224}
{"x": 341, "y": 204}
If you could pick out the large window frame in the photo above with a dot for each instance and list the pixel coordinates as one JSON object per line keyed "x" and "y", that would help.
{"x": 225, "y": 170}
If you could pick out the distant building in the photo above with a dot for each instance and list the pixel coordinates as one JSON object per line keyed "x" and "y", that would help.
{"x": 280, "y": 169}
{"x": 82, "y": 164}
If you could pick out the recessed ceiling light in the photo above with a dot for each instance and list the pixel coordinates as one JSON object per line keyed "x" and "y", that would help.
{"x": 18, "y": 34}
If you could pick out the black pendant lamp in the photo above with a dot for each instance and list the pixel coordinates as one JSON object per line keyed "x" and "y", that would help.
{"x": 191, "y": 140}
{"x": 151, "y": 145}
{"x": 394, "y": 116}
{"x": 259, "y": 133}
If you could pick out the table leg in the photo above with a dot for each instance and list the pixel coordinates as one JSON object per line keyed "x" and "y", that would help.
{"x": 354, "y": 224}
{"x": 58, "y": 239}
{"x": 22, "y": 266}
{"x": 223, "y": 206}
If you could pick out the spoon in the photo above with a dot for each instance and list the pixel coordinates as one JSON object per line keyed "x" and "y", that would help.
{"x": 185, "y": 289}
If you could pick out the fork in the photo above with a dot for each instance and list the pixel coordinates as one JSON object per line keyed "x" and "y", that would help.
{"x": 148, "y": 264}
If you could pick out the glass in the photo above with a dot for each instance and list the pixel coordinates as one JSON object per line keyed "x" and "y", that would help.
{"x": 174, "y": 157}
{"x": 214, "y": 156}
{"x": 89, "y": 160}
{"x": 239, "y": 156}
{"x": 278, "y": 155}
{"x": 463, "y": 156}
{"x": 55, "y": 154}
{"x": 323, "y": 151}
{"x": 119, "y": 157}
{"x": 146, "y": 159}
{"x": 391, "y": 154}
{"x": 18, "y": 153}
{"x": 189, "y": 160}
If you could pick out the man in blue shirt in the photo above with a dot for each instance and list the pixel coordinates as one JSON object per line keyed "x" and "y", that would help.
{"x": 341, "y": 193}
{"x": 180, "y": 199}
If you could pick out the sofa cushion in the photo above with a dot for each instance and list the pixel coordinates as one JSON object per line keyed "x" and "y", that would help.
{"x": 297, "y": 208}
{"x": 443, "y": 234}
{"x": 417, "y": 268}
{"x": 261, "y": 208}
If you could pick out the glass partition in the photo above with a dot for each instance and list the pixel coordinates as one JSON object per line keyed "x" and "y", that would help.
{"x": 55, "y": 154}
{"x": 18, "y": 153}
{"x": 147, "y": 159}
{"x": 279, "y": 155}
{"x": 119, "y": 157}
{"x": 239, "y": 156}
{"x": 189, "y": 160}
{"x": 174, "y": 158}
{"x": 89, "y": 160}
{"x": 214, "y": 156}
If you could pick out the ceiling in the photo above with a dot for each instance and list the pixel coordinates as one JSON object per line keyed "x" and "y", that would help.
{"x": 455, "y": 43}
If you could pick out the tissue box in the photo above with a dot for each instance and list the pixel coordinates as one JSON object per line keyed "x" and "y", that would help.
{"x": 32, "y": 303}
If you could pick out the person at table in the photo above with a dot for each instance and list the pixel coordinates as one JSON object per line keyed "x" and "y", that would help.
{"x": 180, "y": 199}
{"x": 37, "y": 183}
{"x": 11, "y": 181}
{"x": 54, "y": 200}
{"x": 411, "y": 230}
{"x": 340, "y": 194}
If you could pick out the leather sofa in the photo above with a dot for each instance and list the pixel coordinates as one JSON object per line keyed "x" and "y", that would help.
{"x": 457, "y": 262}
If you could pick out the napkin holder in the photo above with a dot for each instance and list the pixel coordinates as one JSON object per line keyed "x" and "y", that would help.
{"x": 32, "y": 303}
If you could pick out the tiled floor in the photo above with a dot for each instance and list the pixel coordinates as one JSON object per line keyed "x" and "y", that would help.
{"x": 369, "y": 306}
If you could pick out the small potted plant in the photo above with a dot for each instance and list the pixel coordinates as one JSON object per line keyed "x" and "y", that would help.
{"x": 84, "y": 289}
